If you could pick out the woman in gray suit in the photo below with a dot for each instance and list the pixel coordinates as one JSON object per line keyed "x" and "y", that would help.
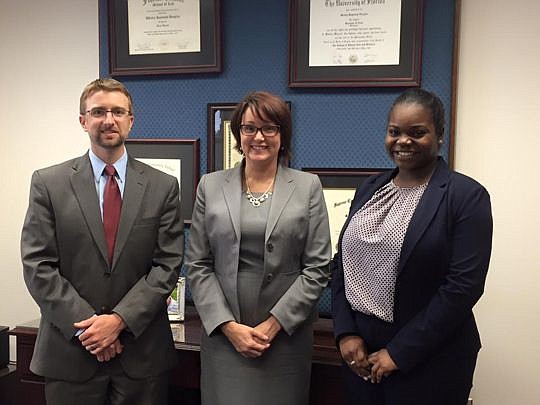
{"x": 257, "y": 262}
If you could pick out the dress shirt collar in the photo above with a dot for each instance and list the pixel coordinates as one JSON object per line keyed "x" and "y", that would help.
{"x": 98, "y": 165}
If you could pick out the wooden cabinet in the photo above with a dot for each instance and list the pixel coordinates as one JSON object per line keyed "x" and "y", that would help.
{"x": 185, "y": 378}
{"x": 30, "y": 387}
{"x": 8, "y": 384}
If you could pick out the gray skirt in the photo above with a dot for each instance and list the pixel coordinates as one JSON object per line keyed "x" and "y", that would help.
{"x": 281, "y": 376}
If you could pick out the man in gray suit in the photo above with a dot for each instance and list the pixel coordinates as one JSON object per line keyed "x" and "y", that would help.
{"x": 104, "y": 335}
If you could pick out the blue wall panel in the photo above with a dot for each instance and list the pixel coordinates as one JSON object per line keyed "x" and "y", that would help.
{"x": 331, "y": 127}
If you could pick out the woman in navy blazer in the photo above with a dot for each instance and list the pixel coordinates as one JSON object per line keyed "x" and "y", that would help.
{"x": 412, "y": 263}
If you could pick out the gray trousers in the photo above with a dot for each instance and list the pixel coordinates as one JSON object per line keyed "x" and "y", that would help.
{"x": 109, "y": 386}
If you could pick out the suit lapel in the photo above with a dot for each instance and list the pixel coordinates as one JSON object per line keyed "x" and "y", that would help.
{"x": 426, "y": 209}
{"x": 82, "y": 181}
{"x": 232, "y": 192}
{"x": 133, "y": 194}
{"x": 283, "y": 189}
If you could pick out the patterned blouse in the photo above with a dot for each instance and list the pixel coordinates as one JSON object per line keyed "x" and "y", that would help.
{"x": 371, "y": 248}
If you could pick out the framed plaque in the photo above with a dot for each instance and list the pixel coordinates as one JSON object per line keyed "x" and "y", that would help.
{"x": 221, "y": 142}
{"x": 339, "y": 186}
{"x": 221, "y": 152}
{"x": 177, "y": 157}
{"x": 149, "y": 37}
{"x": 360, "y": 43}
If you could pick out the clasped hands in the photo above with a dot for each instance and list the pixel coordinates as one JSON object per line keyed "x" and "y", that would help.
{"x": 249, "y": 341}
{"x": 371, "y": 367}
{"x": 100, "y": 336}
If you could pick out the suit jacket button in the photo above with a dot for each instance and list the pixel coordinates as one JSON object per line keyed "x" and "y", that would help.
{"x": 269, "y": 277}
{"x": 106, "y": 275}
{"x": 269, "y": 247}
{"x": 105, "y": 310}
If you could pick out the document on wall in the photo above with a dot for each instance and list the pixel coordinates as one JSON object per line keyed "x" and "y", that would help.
{"x": 164, "y": 26}
{"x": 169, "y": 166}
{"x": 338, "y": 202}
{"x": 354, "y": 32}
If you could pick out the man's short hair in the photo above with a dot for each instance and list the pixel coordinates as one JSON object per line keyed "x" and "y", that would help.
{"x": 107, "y": 85}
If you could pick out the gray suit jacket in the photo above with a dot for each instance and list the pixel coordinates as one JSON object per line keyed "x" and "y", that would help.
{"x": 296, "y": 256}
{"x": 66, "y": 269}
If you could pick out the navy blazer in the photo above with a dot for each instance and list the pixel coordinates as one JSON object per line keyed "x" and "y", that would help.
{"x": 441, "y": 273}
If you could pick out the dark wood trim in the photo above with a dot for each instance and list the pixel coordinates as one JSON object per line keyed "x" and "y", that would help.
{"x": 455, "y": 74}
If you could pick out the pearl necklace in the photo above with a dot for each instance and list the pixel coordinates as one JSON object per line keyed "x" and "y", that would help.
{"x": 257, "y": 201}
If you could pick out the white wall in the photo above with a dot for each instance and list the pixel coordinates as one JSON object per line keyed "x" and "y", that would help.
{"x": 498, "y": 116}
{"x": 48, "y": 52}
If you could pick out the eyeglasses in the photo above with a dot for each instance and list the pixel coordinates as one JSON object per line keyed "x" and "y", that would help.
{"x": 266, "y": 130}
{"x": 99, "y": 112}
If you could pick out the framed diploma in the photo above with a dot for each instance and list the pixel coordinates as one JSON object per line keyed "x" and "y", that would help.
{"x": 177, "y": 157}
{"x": 164, "y": 36}
{"x": 339, "y": 186}
{"x": 221, "y": 143}
{"x": 355, "y": 43}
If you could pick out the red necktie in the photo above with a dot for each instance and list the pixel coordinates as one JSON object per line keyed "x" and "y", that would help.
{"x": 112, "y": 204}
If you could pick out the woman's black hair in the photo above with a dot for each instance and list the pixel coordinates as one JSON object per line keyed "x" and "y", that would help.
{"x": 429, "y": 101}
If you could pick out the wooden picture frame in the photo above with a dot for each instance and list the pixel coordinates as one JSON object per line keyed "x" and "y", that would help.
{"x": 339, "y": 186}
{"x": 182, "y": 152}
{"x": 146, "y": 58}
{"x": 220, "y": 142}
{"x": 357, "y": 66}
{"x": 219, "y": 136}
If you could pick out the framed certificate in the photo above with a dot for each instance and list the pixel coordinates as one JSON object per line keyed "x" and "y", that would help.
{"x": 177, "y": 157}
{"x": 339, "y": 186}
{"x": 360, "y": 43}
{"x": 164, "y": 37}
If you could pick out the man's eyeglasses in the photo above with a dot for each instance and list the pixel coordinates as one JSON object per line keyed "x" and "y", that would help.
{"x": 266, "y": 130}
{"x": 99, "y": 112}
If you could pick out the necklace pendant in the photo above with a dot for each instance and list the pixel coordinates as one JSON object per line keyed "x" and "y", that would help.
{"x": 255, "y": 201}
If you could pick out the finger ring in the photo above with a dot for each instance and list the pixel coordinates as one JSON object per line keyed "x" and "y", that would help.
{"x": 352, "y": 363}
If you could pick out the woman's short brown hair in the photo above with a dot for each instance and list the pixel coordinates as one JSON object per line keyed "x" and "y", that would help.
{"x": 265, "y": 106}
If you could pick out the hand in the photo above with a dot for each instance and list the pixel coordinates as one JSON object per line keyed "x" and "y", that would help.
{"x": 110, "y": 352}
{"x": 100, "y": 332}
{"x": 247, "y": 341}
{"x": 381, "y": 365}
{"x": 270, "y": 328}
{"x": 354, "y": 353}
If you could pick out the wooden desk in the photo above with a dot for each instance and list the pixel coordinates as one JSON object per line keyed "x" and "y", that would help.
{"x": 8, "y": 381}
{"x": 185, "y": 378}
